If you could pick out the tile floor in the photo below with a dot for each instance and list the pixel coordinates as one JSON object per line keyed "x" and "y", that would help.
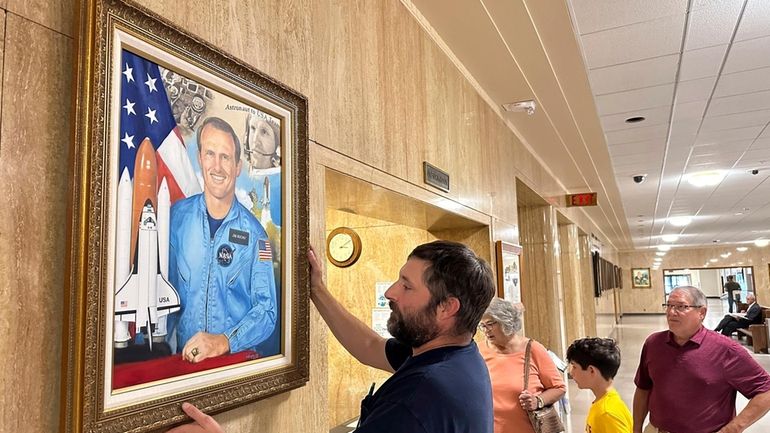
{"x": 630, "y": 334}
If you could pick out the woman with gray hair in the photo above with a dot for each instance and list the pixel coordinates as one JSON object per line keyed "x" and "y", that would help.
{"x": 504, "y": 355}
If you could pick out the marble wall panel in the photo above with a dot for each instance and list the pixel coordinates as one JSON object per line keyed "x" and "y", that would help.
{"x": 34, "y": 152}
{"x": 385, "y": 247}
{"x": 571, "y": 282}
{"x": 539, "y": 286}
{"x": 649, "y": 300}
{"x": 587, "y": 285}
{"x": 56, "y": 15}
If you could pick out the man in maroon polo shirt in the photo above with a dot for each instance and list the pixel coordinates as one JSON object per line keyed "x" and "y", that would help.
{"x": 688, "y": 376}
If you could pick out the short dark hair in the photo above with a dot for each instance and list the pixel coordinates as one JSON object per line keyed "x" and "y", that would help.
{"x": 223, "y": 126}
{"x": 602, "y": 353}
{"x": 456, "y": 271}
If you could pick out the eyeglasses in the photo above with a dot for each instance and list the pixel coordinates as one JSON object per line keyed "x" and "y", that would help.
{"x": 487, "y": 325}
{"x": 680, "y": 308}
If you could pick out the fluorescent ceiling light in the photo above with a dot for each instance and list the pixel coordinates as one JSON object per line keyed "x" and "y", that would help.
{"x": 660, "y": 253}
{"x": 664, "y": 247}
{"x": 680, "y": 221}
{"x": 761, "y": 242}
{"x": 741, "y": 249}
{"x": 670, "y": 238}
{"x": 706, "y": 178}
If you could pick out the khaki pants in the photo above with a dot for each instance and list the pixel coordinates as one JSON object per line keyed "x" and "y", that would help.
{"x": 652, "y": 429}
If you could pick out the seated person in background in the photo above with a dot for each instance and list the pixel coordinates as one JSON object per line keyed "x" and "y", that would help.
{"x": 593, "y": 363}
{"x": 730, "y": 323}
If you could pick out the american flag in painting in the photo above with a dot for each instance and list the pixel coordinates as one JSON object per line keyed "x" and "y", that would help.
{"x": 146, "y": 112}
{"x": 265, "y": 252}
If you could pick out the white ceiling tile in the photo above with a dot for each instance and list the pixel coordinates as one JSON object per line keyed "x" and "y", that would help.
{"x": 654, "y": 146}
{"x": 701, "y": 63}
{"x": 753, "y": 80}
{"x": 756, "y": 20}
{"x": 634, "y": 75}
{"x": 689, "y": 111}
{"x": 595, "y": 15}
{"x": 757, "y": 155}
{"x": 695, "y": 90}
{"x": 712, "y": 25}
{"x": 728, "y": 135}
{"x": 749, "y": 54}
{"x": 639, "y": 159}
{"x": 763, "y": 141}
{"x": 659, "y": 37}
{"x": 627, "y": 102}
{"x": 739, "y": 103}
{"x": 737, "y": 120}
{"x": 637, "y": 134}
{"x": 653, "y": 116}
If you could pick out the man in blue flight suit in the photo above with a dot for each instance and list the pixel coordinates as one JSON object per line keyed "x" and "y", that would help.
{"x": 220, "y": 259}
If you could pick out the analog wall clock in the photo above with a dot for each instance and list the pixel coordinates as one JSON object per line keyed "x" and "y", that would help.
{"x": 343, "y": 247}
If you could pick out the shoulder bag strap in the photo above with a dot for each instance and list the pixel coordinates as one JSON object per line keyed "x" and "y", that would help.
{"x": 527, "y": 355}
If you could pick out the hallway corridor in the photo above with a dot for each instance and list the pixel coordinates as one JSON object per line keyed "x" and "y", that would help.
{"x": 631, "y": 334}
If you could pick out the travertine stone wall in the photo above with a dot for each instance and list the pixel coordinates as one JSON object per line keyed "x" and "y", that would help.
{"x": 571, "y": 282}
{"x": 539, "y": 278}
{"x": 380, "y": 91}
{"x": 649, "y": 300}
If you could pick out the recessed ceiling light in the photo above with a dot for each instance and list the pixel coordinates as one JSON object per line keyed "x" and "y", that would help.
{"x": 706, "y": 178}
{"x": 670, "y": 238}
{"x": 664, "y": 247}
{"x": 741, "y": 249}
{"x": 660, "y": 253}
{"x": 680, "y": 221}
{"x": 714, "y": 260}
{"x": 635, "y": 119}
{"x": 761, "y": 242}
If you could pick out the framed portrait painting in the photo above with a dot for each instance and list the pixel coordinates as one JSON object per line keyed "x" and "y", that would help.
{"x": 188, "y": 277}
{"x": 640, "y": 278}
{"x": 508, "y": 271}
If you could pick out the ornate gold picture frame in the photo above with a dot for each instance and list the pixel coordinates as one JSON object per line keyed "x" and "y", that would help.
{"x": 188, "y": 279}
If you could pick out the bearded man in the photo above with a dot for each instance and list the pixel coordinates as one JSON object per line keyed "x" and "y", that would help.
{"x": 440, "y": 382}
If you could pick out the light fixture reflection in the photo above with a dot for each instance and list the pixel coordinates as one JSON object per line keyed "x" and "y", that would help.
{"x": 670, "y": 238}
{"x": 660, "y": 253}
{"x": 706, "y": 178}
{"x": 762, "y": 242}
{"x": 680, "y": 221}
{"x": 742, "y": 249}
{"x": 664, "y": 247}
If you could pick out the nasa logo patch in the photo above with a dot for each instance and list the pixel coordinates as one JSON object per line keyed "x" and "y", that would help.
{"x": 225, "y": 255}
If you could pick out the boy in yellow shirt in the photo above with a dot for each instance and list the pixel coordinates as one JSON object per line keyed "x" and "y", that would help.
{"x": 593, "y": 363}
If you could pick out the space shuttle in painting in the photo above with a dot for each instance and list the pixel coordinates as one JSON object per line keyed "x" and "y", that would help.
{"x": 143, "y": 294}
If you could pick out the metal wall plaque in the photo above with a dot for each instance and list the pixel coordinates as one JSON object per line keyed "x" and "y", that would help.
{"x": 436, "y": 177}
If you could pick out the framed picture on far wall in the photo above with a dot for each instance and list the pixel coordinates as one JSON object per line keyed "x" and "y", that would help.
{"x": 640, "y": 278}
{"x": 508, "y": 271}
{"x": 189, "y": 201}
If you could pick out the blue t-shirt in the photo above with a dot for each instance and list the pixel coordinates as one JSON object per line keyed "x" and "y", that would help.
{"x": 444, "y": 390}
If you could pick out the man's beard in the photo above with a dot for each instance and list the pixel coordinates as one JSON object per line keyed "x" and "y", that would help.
{"x": 414, "y": 329}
